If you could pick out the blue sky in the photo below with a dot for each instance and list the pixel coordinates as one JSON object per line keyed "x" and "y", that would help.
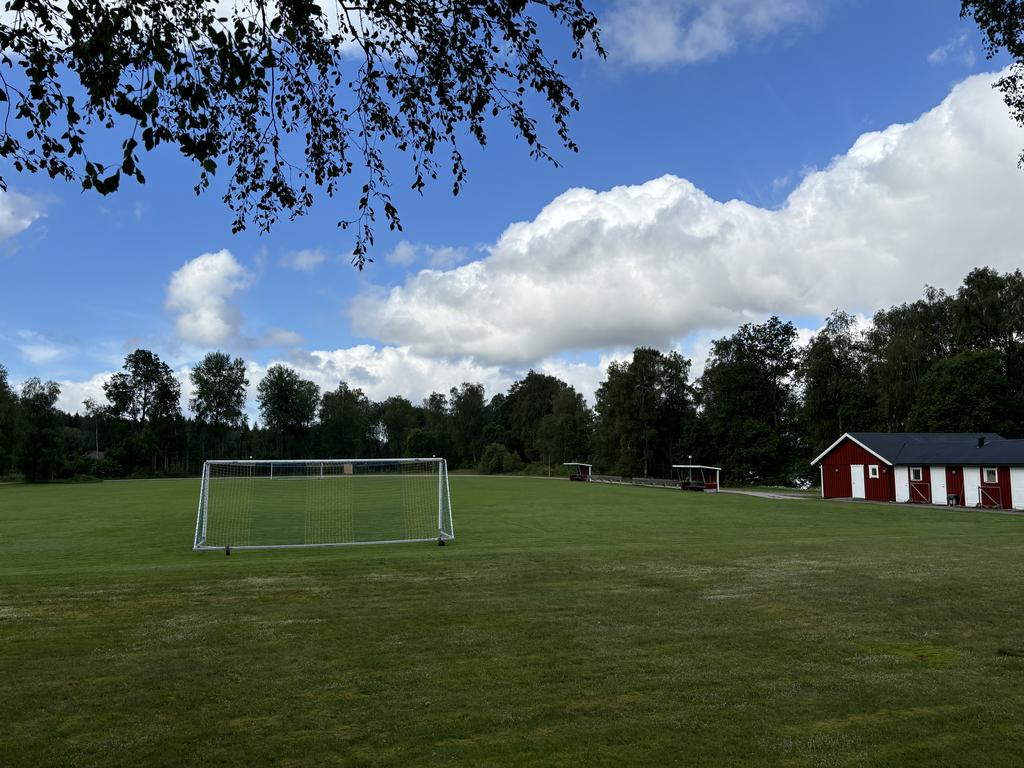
{"x": 738, "y": 158}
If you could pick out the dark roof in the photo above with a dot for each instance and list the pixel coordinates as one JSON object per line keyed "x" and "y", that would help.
{"x": 942, "y": 447}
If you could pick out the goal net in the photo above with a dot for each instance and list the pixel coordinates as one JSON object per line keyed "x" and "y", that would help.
{"x": 322, "y": 503}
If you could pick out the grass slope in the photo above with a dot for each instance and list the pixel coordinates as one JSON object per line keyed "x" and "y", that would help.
{"x": 568, "y": 625}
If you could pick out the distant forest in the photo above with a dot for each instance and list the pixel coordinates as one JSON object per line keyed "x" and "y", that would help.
{"x": 762, "y": 409}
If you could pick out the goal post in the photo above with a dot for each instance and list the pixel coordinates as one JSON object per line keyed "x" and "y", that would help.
{"x": 249, "y": 504}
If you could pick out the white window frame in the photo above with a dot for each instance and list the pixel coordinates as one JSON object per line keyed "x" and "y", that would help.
{"x": 873, "y": 473}
{"x": 916, "y": 474}
{"x": 995, "y": 475}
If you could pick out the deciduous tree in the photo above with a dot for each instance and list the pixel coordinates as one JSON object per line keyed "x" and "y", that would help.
{"x": 836, "y": 397}
{"x": 644, "y": 408}
{"x": 965, "y": 393}
{"x": 218, "y": 390}
{"x": 398, "y": 417}
{"x": 8, "y": 425}
{"x": 748, "y": 401}
{"x": 218, "y": 396}
{"x": 288, "y": 403}
{"x": 346, "y": 418}
{"x": 468, "y": 409}
{"x": 286, "y": 97}
{"x": 39, "y": 456}
{"x": 146, "y": 390}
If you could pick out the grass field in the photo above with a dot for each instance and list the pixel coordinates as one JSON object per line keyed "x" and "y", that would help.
{"x": 568, "y": 625}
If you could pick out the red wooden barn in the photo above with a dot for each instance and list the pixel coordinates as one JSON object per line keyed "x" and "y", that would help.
{"x": 961, "y": 469}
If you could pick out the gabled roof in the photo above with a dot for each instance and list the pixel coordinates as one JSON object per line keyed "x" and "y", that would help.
{"x": 936, "y": 448}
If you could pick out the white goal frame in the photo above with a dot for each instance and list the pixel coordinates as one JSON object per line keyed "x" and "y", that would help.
{"x": 445, "y": 524}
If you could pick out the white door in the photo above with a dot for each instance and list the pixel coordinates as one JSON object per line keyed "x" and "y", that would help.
{"x": 902, "y": 483}
{"x": 1017, "y": 487}
{"x": 857, "y": 480}
{"x": 972, "y": 479}
{"x": 939, "y": 485}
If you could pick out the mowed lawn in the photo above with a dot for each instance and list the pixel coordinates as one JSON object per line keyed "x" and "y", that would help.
{"x": 568, "y": 625}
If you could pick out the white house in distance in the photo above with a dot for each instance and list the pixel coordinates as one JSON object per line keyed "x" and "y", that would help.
{"x": 955, "y": 468}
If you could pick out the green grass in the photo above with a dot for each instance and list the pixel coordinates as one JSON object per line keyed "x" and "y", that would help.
{"x": 568, "y": 625}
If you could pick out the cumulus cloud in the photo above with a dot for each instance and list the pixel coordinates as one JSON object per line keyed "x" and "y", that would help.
{"x": 385, "y": 371}
{"x": 914, "y": 204}
{"x": 74, "y": 393}
{"x": 200, "y": 294}
{"x": 305, "y": 260}
{"x": 658, "y": 32}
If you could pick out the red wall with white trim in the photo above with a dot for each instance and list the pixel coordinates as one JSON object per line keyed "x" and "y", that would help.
{"x": 836, "y": 480}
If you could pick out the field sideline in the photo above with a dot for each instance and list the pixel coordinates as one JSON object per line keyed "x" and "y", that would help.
{"x": 568, "y": 625}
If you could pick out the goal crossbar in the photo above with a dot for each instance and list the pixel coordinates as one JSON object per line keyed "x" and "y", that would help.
{"x": 303, "y": 503}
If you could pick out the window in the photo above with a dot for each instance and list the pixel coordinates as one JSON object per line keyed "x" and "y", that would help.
{"x": 915, "y": 474}
{"x": 991, "y": 475}
{"x": 872, "y": 471}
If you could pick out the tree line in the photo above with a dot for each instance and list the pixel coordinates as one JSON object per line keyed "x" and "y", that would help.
{"x": 763, "y": 407}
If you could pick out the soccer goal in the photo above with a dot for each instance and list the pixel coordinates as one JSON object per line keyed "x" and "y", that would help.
{"x": 322, "y": 503}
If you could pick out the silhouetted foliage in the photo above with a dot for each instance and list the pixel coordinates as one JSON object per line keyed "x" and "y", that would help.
{"x": 287, "y": 97}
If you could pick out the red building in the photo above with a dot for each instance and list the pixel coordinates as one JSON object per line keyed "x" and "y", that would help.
{"x": 961, "y": 469}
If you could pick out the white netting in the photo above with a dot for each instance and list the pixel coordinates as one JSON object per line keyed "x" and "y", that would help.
{"x": 321, "y": 503}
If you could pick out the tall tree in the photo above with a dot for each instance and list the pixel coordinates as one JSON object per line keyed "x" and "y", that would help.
{"x": 146, "y": 390}
{"x": 346, "y": 419}
{"x": 748, "y": 401}
{"x": 965, "y": 393}
{"x": 398, "y": 417}
{"x": 288, "y": 405}
{"x": 564, "y": 434}
{"x": 434, "y": 438}
{"x": 8, "y": 424}
{"x": 218, "y": 394}
{"x": 468, "y": 409}
{"x": 645, "y": 410}
{"x": 836, "y": 397}
{"x": 147, "y": 393}
{"x": 273, "y": 93}
{"x": 527, "y": 403}
{"x": 218, "y": 390}
{"x": 39, "y": 457}
{"x": 902, "y": 344}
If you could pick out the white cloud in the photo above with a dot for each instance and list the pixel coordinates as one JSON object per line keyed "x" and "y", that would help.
{"x": 404, "y": 254}
{"x": 305, "y": 260}
{"x": 958, "y": 50}
{"x": 74, "y": 393}
{"x": 438, "y": 257}
{"x": 658, "y": 32}
{"x": 200, "y": 291}
{"x": 17, "y": 212}
{"x": 37, "y": 348}
{"x": 385, "y": 371}
{"x": 915, "y": 204}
